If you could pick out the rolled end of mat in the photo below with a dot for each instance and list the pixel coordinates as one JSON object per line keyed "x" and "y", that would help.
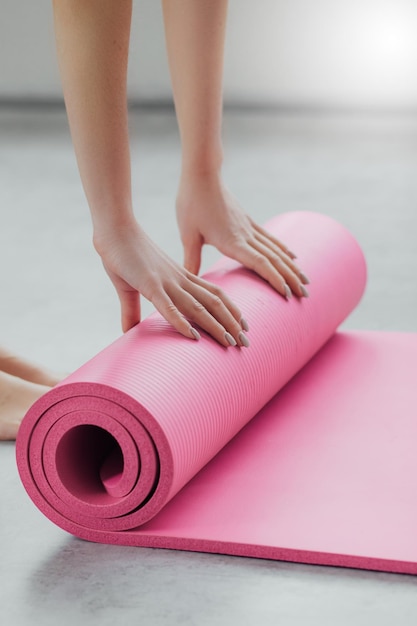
{"x": 91, "y": 456}
{"x": 115, "y": 441}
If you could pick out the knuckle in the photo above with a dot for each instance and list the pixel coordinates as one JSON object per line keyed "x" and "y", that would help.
{"x": 216, "y": 302}
{"x": 171, "y": 309}
{"x": 260, "y": 262}
{"x": 186, "y": 277}
{"x": 217, "y": 292}
{"x": 198, "y": 307}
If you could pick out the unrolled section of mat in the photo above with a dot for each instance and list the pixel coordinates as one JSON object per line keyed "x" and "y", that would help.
{"x": 324, "y": 474}
{"x": 105, "y": 451}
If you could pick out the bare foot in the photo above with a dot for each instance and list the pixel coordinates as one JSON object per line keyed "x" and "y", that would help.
{"x": 16, "y": 396}
{"x": 19, "y": 367}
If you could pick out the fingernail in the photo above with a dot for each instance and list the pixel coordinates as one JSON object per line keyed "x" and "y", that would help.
{"x": 244, "y": 324}
{"x": 288, "y": 292}
{"x": 304, "y": 278}
{"x": 230, "y": 339}
{"x": 244, "y": 340}
{"x": 304, "y": 291}
{"x": 291, "y": 254}
{"x": 195, "y": 333}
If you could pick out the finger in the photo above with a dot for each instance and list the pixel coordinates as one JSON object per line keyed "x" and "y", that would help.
{"x": 196, "y": 311}
{"x": 215, "y": 301}
{"x": 130, "y": 308}
{"x": 192, "y": 256}
{"x": 217, "y": 291}
{"x": 282, "y": 268}
{"x": 284, "y": 257}
{"x": 129, "y": 300}
{"x": 277, "y": 242}
{"x": 167, "y": 308}
{"x": 259, "y": 263}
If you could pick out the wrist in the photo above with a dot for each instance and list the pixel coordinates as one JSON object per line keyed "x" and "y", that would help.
{"x": 110, "y": 225}
{"x": 207, "y": 164}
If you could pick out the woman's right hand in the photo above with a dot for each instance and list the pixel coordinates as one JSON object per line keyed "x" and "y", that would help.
{"x": 136, "y": 265}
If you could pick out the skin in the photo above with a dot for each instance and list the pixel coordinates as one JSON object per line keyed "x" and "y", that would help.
{"x": 21, "y": 384}
{"x": 92, "y": 39}
{"x": 92, "y": 43}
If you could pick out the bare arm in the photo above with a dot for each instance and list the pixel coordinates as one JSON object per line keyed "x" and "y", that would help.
{"x": 92, "y": 38}
{"x": 92, "y": 44}
{"x": 206, "y": 211}
{"x": 195, "y": 34}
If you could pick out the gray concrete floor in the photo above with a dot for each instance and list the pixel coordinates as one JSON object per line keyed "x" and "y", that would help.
{"x": 58, "y": 307}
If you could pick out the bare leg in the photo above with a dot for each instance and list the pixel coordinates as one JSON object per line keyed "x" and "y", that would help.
{"x": 16, "y": 397}
{"x": 21, "y": 368}
{"x": 21, "y": 384}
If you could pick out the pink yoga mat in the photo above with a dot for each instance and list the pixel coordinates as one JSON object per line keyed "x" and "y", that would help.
{"x": 167, "y": 442}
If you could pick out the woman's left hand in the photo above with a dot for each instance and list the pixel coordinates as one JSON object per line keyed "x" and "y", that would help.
{"x": 208, "y": 214}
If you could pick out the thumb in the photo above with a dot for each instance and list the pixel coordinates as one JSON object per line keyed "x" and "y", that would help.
{"x": 129, "y": 300}
{"x": 130, "y": 308}
{"x": 192, "y": 255}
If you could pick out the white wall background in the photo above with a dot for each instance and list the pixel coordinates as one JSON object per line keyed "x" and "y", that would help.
{"x": 332, "y": 53}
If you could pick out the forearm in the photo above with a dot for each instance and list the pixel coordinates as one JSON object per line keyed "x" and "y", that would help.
{"x": 195, "y": 33}
{"x": 92, "y": 44}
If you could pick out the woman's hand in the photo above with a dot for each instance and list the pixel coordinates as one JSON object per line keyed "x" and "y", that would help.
{"x": 208, "y": 213}
{"x": 137, "y": 266}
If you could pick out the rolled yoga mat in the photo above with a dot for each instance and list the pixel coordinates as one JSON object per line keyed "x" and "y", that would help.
{"x": 167, "y": 442}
